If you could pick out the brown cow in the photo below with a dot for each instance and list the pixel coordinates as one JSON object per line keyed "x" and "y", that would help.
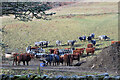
{"x": 81, "y": 50}
{"x": 24, "y": 57}
{"x": 56, "y": 51}
{"x": 68, "y": 59}
{"x": 112, "y": 42}
{"x": 90, "y": 50}
{"x": 75, "y": 56}
{"x": 89, "y": 45}
{"x": 53, "y": 51}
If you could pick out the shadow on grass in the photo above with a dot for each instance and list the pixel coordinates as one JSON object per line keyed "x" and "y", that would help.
{"x": 98, "y": 44}
{"x": 85, "y": 55}
{"x": 64, "y": 45}
{"x": 96, "y": 49}
{"x": 109, "y": 40}
{"x": 78, "y": 45}
{"x": 51, "y": 46}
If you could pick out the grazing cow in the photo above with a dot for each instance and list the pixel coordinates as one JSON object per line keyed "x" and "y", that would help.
{"x": 71, "y": 42}
{"x": 89, "y": 38}
{"x": 82, "y": 38}
{"x": 81, "y": 50}
{"x": 92, "y": 35}
{"x": 93, "y": 42}
{"x": 58, "y": 43}
{"x": 103, "y": 37}
{"x": 24, "y": 57}
{"x": 112, "y": 42}
{"x": 89, "y": 45}
{"x": 42, "y": 43}
{"x": 90, "y": 50}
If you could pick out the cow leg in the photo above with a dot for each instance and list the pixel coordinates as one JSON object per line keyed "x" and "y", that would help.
{"x": 68, "y": 44}
{"x": 23, "y": 62}
{"x": 27, "y": 63}
{"x": 18, "y": 62}
{"x": 62, "y": 63}
{"x": 53, "y": 63}
{"x": 13, "y": 62}
{"x": 78, "y": 57}
{"x": 58, "y": 63}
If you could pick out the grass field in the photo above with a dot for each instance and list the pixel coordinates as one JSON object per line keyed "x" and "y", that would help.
{"x": 63, "y": 26}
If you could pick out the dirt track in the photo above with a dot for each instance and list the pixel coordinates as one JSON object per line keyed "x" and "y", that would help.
{"x": 34, "y": 64}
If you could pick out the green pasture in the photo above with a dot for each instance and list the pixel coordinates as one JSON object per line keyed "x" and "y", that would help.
{"x": 62, "y": 26}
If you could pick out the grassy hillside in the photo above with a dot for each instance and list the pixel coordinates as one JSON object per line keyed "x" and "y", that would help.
{"x": 63, "y": 26}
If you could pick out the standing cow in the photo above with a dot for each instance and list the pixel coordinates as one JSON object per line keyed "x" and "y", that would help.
{"x": 90, "y": 50}
{"x": 82, "y": 38}
{"x": 42, "y": 43}
{"x": 58, "y": 43}
{"x": 92, "y": 35}
{"x": 52, "y": 58}
{"x": 68, "y": 59}
{"x": 89, "y": 38}
{"x": 93, "y": 42}
{"x": 24, "y": 57}
{"x": 71, "y": 42}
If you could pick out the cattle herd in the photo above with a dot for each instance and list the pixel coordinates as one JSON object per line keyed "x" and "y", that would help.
{"x": 58, "y": 56}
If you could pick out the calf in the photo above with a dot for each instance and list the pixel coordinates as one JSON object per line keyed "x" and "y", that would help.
{"x": 90, "y": 50}
{"x": 71, "y": 42}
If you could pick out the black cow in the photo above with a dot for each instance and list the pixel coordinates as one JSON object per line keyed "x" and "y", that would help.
{"x": 89, "y": 38}
{"x": 82, "y": 38}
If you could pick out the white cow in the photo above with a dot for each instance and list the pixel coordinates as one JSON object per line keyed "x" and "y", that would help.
{"x": 58, "y": 43}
